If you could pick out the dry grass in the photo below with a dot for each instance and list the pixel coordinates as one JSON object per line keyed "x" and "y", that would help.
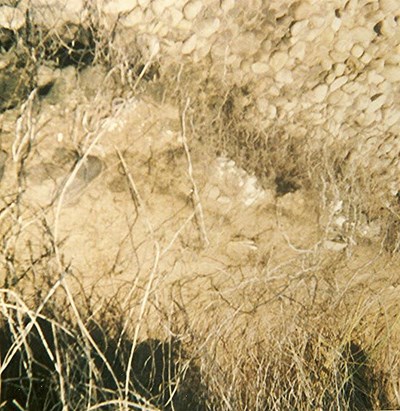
{"x": 325, "y": 337}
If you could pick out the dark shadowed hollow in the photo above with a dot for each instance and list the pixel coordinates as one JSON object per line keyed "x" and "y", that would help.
{"x": 50, "y": 366}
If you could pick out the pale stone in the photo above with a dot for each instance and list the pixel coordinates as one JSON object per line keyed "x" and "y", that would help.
{"x": 202, "y": 50}
{"x": 374, "y": 78}
{"x": 227, "y": 5}
{"x": 274, "y": 91}
{"x": 214, "y": 193}
{"x": 339, "y": 69}
{"x": 319, "y": 93}
{"x": 389, "y": 6}
{"x": 189, "y": 45}
{"x": 362, "y": 102}
{"x": 278, "y": 60}
{"x": 362, "y": 35}
{"x": 134, "y": 18}
{"x": 46, "y": 75}
{"x": 357, "y": 51}
{"x": 330, "y": 78}
{"x": 284, "y": 76}
{"x": 260, "y": 68}
{"x": 311, "y": 34}
{"x": 336, "y": 23}
{"x": 334, "y": 245}
{"x": 376, "y": 104}
{"x": 338, "y": 57}
{"x": 224, "y": 200}
{"x": 298, "y": 50}
{"x": 366, "y": 58}
{"x": 206, "y": 28}
{"x": 391, "y": 116}
{"x": 298, "y": 27}
{"x": 271, "y": 112}
{"x": 192, "y": 9}
{"x": 184, "y": 25}
{"x": 327, "y": 36}
{"x": 343, "y": 45}
{"x": 339, "y": 82}
{"x": 159, "y": 6}
{"x": 176, "y": 17}
{"x": 143, "y": 3}
{"x": 391, "y": 73}
{"x": 338, "y": 97}
{"x": 119, "y": 6}
{"x": 11, "y": 18}
{"x": 303, "y": 10}
{"x": 246, "y": 44}
{"x": 393, "y": 59}
{"x": 262, "y": 104}
{"x": 389, "y": 27}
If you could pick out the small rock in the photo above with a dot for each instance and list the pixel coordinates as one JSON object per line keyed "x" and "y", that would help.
{"x": 298, "y": 27}
{"x": 298, "y": 50}
{"x": 214, "y": 193}
{"x": 362, "y": 35}
{"x": 227, "y": 5}
{"x": 192, "y": 9}
{"x": 339, "y": 69}
{"x": 391, "y": 73}
{"x": 303, "y": 10}
{"x": 189, "y": 45}
{"x": 357, "y": 51}
{"x": 46, "y": 75}
{"x": 362, "y": 102}
{"x": 284, "y": 76}
{"x": 158, "y": 6}
{"x": 319, "y": 93}
{"x": 278, "y": 60}
{"x": 374, "y": 78}
{"x": 389, "y": 6}
{"x": 339, "y": 82}
{"x": 338, "y": 97}
{"x": 224, "y": 200}
{"x": 176, "y": 17}
{"x": 376, "y": 104}
{"x": 366, "y": 58}
{"x": 208, "y": 27}
{"x": 336, "y": 23}
{"x": 143, "y": 3}
{"x": 260, "y": 68}
{"x": 246, "y": 44}
{"x": 134, "y": 18}
{"x": 11, "y": 18}
{"x": 119, "y": 6}
{"x": 334, "y": 245}
{"x": 344, "y": 45}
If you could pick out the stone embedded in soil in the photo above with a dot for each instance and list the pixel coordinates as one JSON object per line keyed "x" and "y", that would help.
{"x": 192, "y": 9}
{"x": 318, "y": 93}
{"x": 260, "y": 68}
{"x": 278, "y": 60}
{"x": 391, "y": 73}
{"x": 335, "y": 246}
{"x": 337, "y": 83}
{"x": 206, "y": 28}
{"x": 189, "y": 45}
{"x": 119, "y": 6}
{"x": 11, "y": 18}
